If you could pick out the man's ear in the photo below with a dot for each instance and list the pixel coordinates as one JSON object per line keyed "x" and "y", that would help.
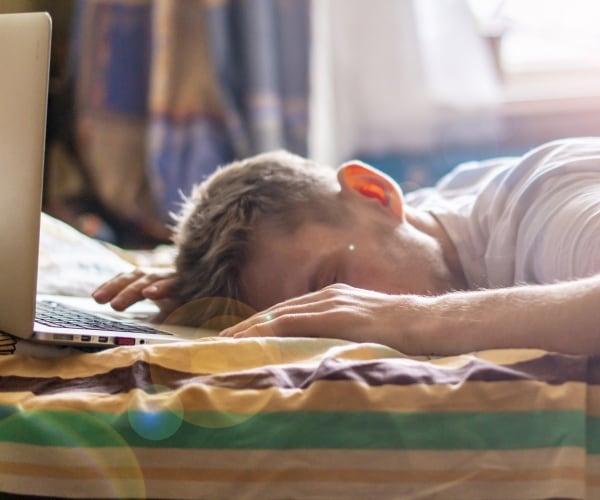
{"x": 357, "y": 178}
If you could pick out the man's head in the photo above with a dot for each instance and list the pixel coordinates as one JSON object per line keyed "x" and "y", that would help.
{"x": 217, "y": 224}
{"x": 276, "y": 225}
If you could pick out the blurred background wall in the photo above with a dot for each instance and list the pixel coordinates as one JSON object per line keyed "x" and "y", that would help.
{"x": 148, "y": 97}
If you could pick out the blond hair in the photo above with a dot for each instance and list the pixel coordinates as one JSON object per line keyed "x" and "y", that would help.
{"x": 214, "y": 228}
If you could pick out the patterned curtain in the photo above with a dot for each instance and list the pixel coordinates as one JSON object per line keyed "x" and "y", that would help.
{"x": 261, "y": 54}
{"x": 110, "y": 71}
{"x": 166, "y": 90}
{"x": 187, "y": 137}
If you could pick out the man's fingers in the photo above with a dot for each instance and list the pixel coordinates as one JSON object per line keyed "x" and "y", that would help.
{"x": 335, "y": 311}
{"x": 288, "y": 325}
{"x": 135, "y": 291}
{"x": 299, "y": 317}
{"x": 259, "y": 321}
{"x": 164, "y": 287}
{"x": 107, "y": 291}
{"x": 126, "y": 289}
{"x": 313, "y": 302}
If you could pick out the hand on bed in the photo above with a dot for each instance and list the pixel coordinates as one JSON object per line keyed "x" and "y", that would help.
{"x": 126, "y": 289}
{"x": 340, "y": 311}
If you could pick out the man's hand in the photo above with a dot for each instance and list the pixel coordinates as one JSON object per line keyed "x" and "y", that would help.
{"x": 126, "y": 289}
{"x": 560, "y": 317}
{"x": 340, "y": 311}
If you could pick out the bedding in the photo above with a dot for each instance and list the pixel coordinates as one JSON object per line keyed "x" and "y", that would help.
{"x": 299, "y": 418}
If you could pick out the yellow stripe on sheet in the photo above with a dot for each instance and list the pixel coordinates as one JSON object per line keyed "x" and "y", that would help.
{"x": 593, "y": 476}
{"x": 508, "y": 356}
{"x": 223, "y": 355}
{"x": 210, "y": 355}
{"x": 341, "y": 395}
{"x": 383, "y": 460}
{"x": 289, "y": 473}
{"x": 463, "y": 489}
{"x": 351, "y": 396}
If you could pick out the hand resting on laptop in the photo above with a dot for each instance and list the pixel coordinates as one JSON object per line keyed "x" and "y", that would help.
{"x": 126, "y": 289}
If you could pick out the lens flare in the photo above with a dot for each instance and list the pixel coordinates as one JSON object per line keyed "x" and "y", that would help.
{"x": 155, "y": 413}
{"x": 210, "y": 313}
{"x": 77, "y": 446}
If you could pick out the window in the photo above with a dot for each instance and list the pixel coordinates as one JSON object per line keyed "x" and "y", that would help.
{"x": 545, "y": 49}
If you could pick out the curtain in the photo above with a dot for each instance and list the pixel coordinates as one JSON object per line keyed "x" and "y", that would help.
{"x": 261, "y": 52}
{"x": 187, "y": 137}
{"x": 110, "y": 55}
{"x": 167, "y": 90}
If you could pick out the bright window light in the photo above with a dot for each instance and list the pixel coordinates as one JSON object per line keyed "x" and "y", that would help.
{"x": 542, "y": 35}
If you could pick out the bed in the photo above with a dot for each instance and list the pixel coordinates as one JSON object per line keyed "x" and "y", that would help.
{"x": 293, "y": 418}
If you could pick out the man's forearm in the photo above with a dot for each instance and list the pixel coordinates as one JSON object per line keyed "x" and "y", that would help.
{"x": 561, "y": 317}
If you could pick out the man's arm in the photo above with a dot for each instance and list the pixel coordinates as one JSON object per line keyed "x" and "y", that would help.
{"x": 562, "y": 317}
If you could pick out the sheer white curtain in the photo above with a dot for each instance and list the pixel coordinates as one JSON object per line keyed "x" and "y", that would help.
{"x": 389, "y": 75}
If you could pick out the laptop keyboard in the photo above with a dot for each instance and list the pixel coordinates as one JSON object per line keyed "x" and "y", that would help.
{"x": 59, "y": 315}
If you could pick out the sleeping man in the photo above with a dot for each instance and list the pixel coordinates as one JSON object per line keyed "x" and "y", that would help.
{"x": 501, "y": 253}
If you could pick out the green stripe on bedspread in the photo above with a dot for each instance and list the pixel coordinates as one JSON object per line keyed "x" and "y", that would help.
{"x": 301, "y": 430}
{"x": 593, "y": 435}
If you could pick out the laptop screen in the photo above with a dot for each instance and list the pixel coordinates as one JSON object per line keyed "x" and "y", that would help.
{"x": 24, "y": 59}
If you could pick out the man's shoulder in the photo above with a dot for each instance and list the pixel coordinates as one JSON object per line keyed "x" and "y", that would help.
{"x": 504, "y": 175}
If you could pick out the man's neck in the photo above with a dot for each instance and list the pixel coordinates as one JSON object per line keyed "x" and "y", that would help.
{"x": 430, "y": 225}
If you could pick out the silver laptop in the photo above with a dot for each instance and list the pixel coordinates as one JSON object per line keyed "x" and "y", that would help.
{"x": 24, "y": 59}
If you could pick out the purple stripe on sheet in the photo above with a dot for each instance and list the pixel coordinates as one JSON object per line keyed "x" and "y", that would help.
{"x": 550, "y": 368}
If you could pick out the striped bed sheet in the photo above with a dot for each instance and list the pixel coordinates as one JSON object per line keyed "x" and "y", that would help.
{"x": 299, "y": 418}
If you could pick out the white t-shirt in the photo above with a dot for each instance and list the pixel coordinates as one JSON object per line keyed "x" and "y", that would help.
{"x": 533, "y": 219}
